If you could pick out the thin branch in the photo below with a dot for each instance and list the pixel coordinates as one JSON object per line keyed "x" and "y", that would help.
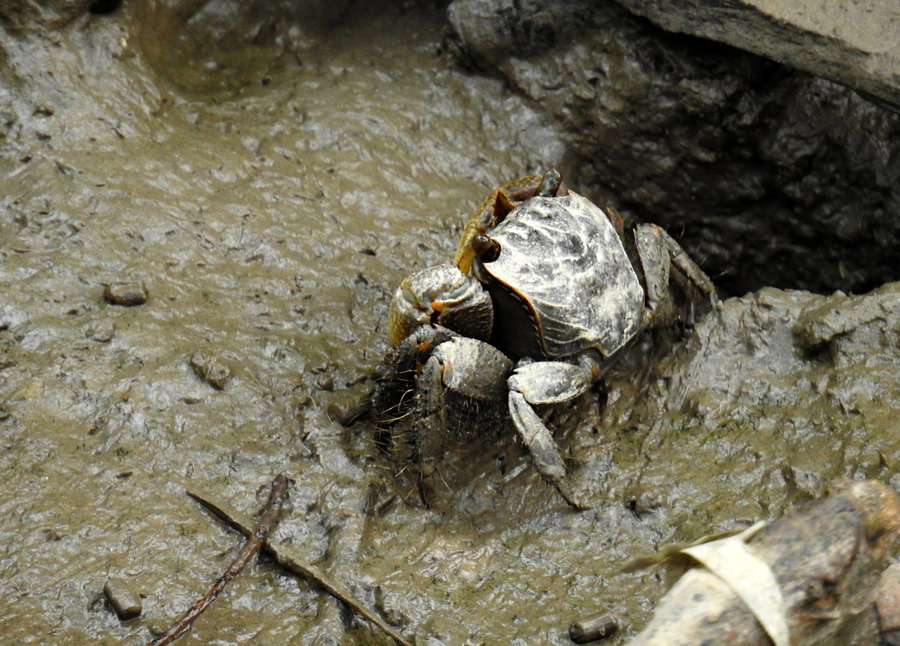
{"x": 256, "y": 540}
{"x": 289, "y": 562}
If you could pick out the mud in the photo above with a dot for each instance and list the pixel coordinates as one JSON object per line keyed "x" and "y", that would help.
{"x": 268, "y": 193}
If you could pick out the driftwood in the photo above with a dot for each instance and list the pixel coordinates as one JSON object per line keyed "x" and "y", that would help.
{"x": 256, "y": 539}
{"x": 809, "y": 577}
{"x": 289, "y": 562}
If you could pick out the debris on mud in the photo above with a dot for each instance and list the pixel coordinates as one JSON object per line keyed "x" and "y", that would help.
{"x": 807, "y": 578}
{"x": 210, "y": 370}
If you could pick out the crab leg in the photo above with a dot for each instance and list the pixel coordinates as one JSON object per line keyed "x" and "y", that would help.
{"x": 658, "y": 252}
{"x": 545, "y": 382}
{"x": 688, "y": 267}
{"x": 653, "y": 252}
{"x": 543, "y": 449}
{"x": 467, "y": 366}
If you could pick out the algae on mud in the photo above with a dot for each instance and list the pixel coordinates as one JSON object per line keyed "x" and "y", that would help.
{"x": 270, "y": 204}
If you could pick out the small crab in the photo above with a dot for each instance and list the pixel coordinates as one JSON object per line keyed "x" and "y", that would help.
{"x": 545, "y": 289}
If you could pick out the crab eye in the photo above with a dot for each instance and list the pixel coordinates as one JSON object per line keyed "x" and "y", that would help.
{"x": 550, "y": 183}
{"x": 487, "y": 249}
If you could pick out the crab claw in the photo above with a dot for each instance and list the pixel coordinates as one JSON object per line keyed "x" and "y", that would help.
{"x": 440, "y": 295}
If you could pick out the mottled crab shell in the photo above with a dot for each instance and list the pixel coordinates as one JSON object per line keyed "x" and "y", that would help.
{"x": 562, "y": 282}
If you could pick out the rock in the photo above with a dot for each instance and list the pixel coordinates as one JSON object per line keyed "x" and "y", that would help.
{"x": 851, "y": 43}
{"x": 210, "y": 370}
{"x": 122, "y": 598}
{"x": 593, "y": 627}
{"x": 128, "y": 294}
{"x": 101, "y": 330}
{"x": 490, "y": 30}
{"x": 750, "y": 401}
{"x": 768, "y": 175}
{"x": 777, "y": 359}
{"x": 840, "y": 315}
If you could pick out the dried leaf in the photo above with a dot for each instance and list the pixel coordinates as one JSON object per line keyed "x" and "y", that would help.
{"x": 750, "y": 577}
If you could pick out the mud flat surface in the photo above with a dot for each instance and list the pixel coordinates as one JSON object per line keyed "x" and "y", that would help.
{"x": 255, "y": 202}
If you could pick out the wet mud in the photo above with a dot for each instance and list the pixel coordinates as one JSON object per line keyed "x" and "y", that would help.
{"x": 198, "y": 243}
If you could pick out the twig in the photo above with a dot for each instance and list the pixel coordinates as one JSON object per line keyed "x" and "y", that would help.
{"x": 289, "y": 562}
{"x": 255, "y": 541}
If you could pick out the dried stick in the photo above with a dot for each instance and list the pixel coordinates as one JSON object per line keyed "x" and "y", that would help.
{"x": 255, "y": 541}
{"x": 289, "y": 562}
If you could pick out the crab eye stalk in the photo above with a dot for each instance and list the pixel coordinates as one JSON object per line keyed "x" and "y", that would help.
{"x": 444, "y": 296}
{"x": 486, "y": 249}
{"x": 550, "y": 183}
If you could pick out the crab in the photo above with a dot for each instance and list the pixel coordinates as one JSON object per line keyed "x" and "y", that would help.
{"x": 545, "y": 290}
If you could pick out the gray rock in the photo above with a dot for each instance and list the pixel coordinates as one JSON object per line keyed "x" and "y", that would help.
{"x": 124, "y": 600}
{"x": 851, "y": 43}
{"x": 492, "y": 30}
{"x": 769, "y": 176}
{"x": 210, "y": 369}
{"x": 101, "y": 330}
{"x": 811, "y": 378}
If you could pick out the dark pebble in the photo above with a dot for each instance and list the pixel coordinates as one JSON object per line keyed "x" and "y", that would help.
{"x": 593, "y": 627}
{"x": 128, "y": 294}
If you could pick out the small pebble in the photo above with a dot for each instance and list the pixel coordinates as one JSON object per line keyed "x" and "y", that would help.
{"x": 100, "y": 331}
{"x": 122, "y": 598}
{"x": 593, "y": 627}
{"x": 210, "y": 370}
{"x": 128, "y": 294}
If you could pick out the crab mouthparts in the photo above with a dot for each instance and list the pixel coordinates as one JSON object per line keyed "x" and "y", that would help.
{"x": 437, "y": 308}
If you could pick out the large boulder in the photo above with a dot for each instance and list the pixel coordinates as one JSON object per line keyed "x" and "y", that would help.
{"x": 848, "y": 42}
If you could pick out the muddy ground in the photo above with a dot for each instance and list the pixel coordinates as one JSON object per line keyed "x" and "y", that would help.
{"x": 269, "y": 192}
